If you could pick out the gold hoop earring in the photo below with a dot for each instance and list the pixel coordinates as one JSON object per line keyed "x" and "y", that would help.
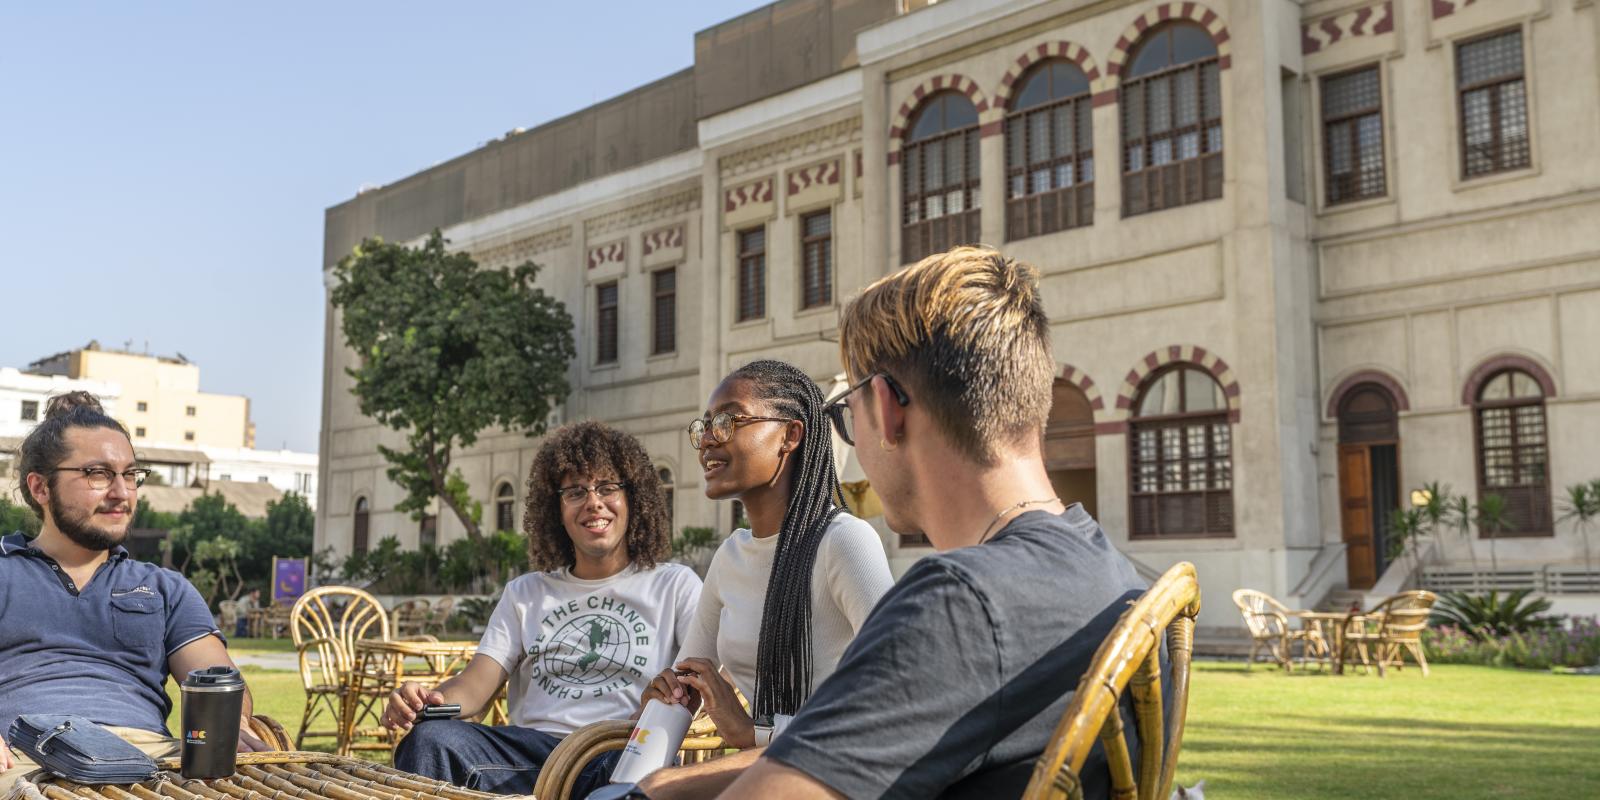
{"x": 884, "y": 445}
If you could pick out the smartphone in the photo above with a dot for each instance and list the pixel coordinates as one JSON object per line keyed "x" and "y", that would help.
{"x": 446, "y": 711}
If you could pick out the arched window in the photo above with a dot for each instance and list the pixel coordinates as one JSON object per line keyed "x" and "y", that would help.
{"x": 939, "y": 173}
{"x": 1513, "y": 455}
{"x": 1049, "y": 152}
{"x": 358, "y": 540}
{"x": 1180, "y": 456}
{"x": 505, "y": 505}
{"x": 1171, "y": 120}
{"x": 667, "y": 493}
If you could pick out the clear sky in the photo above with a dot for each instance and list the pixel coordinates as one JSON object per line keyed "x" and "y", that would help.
{"x": 164, "y": 167}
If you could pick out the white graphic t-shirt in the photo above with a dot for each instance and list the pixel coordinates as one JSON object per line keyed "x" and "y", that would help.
{"x": 582, "y": 651}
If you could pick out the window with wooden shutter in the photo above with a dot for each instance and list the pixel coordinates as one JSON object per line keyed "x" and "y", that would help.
{"x": 816, "y": 262}
{"x": 752, "y": 290}
{"x": 939, "y": 177}
{"x": 1049, "y": 152}
{"x": 1171, "y": 105}
{"x": 1513, "y": 451}
{"x": 664, "y": 328}
{"x": 1352, "y": 136}
{"x": 1180, "y": 457}
{"x": 606, "y": 320}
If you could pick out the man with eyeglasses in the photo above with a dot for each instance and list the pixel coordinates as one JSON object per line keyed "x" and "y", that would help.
{"x": 84, "y": 629}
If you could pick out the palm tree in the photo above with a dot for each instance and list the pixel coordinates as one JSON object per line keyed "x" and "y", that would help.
{"x": 1582, "y": 506}
{"x": 1492, "y": 520}
{"x": 1405, "y": 525}
{"x": 1458, "y": 512}
{"x": 1435, "y": 508}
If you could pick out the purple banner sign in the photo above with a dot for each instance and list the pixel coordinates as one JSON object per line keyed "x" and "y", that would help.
{"x": 288, "y": 579}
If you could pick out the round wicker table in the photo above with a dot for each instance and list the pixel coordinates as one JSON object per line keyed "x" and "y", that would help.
{"x": 262, "y": 776}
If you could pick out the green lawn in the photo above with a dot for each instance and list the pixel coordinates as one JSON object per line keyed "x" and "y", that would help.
{"x": 283, "y": 645}
{"x": 1463, "y": 732}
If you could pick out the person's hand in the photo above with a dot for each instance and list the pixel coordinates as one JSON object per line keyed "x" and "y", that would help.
{"x": 5, "y": 757}
{"x": 720, "y": 701}
{"x": 405, "y": 703}
{"x": 668, "y": 689}
{"x": 248, "y": 743}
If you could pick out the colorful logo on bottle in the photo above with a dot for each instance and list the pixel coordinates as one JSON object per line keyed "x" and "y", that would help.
{"x": 195, "y": 737}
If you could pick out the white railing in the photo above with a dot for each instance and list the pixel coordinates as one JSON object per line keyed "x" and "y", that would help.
{"x": 1546, "y": 579}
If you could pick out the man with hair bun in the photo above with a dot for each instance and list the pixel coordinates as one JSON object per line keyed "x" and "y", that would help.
{"x": 84, "y": 629}
{"x": 956, "y": 680}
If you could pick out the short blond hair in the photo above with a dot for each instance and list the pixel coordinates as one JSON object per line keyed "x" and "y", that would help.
{"x": 966, "y": 332}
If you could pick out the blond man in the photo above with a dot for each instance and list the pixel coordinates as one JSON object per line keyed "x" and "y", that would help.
{"x": 955, "y": 682}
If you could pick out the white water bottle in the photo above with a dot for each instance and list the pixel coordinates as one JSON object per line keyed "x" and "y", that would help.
{"x": 654, "y": 742}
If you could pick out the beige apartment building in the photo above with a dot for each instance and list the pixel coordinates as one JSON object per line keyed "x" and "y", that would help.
{"x": 160, "y": 402}
{"x": 1300, "y": 258}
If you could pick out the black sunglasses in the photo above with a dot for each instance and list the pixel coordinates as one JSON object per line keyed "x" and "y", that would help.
{"x": 839, "y": 412}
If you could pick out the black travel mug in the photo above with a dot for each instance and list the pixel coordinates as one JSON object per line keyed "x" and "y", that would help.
{"x": 212, "y": 701}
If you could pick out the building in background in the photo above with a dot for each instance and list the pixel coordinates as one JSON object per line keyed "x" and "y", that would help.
{"x": 1299, "y": 258}
{"x": 163, "y": 404}
{"x": 24, "y": 396}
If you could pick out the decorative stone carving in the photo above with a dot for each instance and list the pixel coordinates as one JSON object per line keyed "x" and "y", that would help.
{"x": 748, "y": 202}
{"x": 608, "y": 254}
{"x": 1374, "y": 20}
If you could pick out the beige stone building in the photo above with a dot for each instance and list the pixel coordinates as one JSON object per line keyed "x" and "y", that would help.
{"x": 161, "y": 402}
{"x": 1300, "y": 258}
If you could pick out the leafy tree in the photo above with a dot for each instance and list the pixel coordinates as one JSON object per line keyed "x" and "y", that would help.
{"x": 15, "y": 517}
{"x": 1458, "y": 513}
{"x": 208, "y": 517}
{"x": 146, "y": 517}
{"x": 1493, "y": 520}
{"x": 448, "y": 350}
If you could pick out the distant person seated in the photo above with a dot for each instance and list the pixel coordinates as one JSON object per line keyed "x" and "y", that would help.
{"x": 957, "y": 679}
{"x": 247, "y": 604}
{"x": 580, "y": 639}
{"x": 84, "y": 629}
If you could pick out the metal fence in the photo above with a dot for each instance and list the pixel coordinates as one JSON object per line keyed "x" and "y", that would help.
{"x": 1548, "y": 579}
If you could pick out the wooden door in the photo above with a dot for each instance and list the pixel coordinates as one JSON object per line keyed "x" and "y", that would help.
{"x": 1355, "y": 514}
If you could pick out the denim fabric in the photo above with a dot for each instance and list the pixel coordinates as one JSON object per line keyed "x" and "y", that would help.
{"x": 501, "y": 759}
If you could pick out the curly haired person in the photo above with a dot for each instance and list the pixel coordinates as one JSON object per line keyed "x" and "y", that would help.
{"x": 579, "y": 638}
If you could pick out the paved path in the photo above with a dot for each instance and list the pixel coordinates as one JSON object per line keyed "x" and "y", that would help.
{"x": 288, "y": 661}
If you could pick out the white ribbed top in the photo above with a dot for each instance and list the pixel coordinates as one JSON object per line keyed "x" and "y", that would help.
{"x": 851, "y": 574}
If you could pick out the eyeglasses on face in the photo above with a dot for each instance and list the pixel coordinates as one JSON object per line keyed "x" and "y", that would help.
{"x": 722, "y": 427}
{"x": 839, "y": 413}
{"x": 99, "y": 478}
{"x": 609, "y": 492}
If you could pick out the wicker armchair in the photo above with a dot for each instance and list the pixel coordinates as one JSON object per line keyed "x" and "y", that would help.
{"x": 439, "y": 615}
{"x": 1127, "y": 656}
{"x": 1268, "y": 622}
{"x": 411, "y": 617}
{"x": 561, "y": 770}
{"x": 1391, "y": 630}
{"x": 326, "y": 623}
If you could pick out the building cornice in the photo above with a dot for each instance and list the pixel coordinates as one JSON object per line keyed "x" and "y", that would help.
{"x": 769, "y": 114}
{"x": 815, "y": 140}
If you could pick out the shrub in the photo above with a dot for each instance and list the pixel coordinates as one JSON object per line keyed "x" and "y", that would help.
{"x": 1576, "y": 644}
{"x": 1491, "y": 615}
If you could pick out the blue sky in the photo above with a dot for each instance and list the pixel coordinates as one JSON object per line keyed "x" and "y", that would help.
{"x": 164, "y": 167}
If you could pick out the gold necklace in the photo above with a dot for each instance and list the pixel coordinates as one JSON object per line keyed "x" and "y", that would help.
{"x": 1008, "y": 510}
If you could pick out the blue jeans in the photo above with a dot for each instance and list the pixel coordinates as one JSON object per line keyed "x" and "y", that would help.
{"x": 498, "y": 759}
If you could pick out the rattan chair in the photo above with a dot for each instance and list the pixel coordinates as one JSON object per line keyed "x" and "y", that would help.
{"x": 411, "y": 618}
{"x": 326, "y": 623}
{"x": 439, "y": 615}
{"x": 1392, "y": 629}
{"x": 561, "y": 770}
{"x": 1268, "y": 622}
{"x": 1127, "y": 656}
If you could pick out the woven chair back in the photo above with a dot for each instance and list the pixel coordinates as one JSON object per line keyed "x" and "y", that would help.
{"x": 336, "y": 617}
{"x": 1262, "y": 614}
{"x": 1129, "y": 657}
{"x": 440, "y": 612}
{"x": 1403, "y": 616}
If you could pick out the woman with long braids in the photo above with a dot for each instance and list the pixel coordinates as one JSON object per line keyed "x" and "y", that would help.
{"x": 783, "y": 597}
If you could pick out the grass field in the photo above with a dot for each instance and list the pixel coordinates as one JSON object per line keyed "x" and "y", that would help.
{"x": 1463, "y": 732}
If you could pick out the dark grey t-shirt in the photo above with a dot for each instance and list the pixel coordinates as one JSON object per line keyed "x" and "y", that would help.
{"x": 957, "y": 679}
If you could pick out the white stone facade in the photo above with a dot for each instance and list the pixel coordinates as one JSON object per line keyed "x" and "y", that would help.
{"x": 1287, "y": 301}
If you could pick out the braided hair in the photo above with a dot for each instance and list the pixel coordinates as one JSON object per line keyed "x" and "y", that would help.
{"x": 783, "y": 652}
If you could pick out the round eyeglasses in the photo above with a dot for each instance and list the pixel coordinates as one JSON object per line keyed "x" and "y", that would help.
{"x": 722, "y": 426}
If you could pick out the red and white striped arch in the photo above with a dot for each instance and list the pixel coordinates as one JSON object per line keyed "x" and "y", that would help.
{"x": 1193, "y": 12}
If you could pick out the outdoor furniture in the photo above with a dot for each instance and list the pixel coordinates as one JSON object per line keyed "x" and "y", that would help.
{"x": 263, "y": 776}
{"x": 327, "y": 622}
{"x": 270, "y": 621}
{"x": 439, "y": 616}
{"x": 378, "y": 667}
{"x": 1268, "y": 621}
{"x": 1392, "y": 629}
{"x": 1128, "y": 656}
{"x": 410, "y": 617}
{"x": 1331, "y": 626}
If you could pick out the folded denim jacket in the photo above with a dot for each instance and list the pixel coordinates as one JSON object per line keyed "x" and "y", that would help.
{"x": 80, "y": 750}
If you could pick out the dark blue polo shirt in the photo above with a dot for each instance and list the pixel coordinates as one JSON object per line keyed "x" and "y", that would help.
{"x": 99, "y": 651}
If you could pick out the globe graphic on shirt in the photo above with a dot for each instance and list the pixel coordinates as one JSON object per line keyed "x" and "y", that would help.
{"x": 588, "y": 650}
